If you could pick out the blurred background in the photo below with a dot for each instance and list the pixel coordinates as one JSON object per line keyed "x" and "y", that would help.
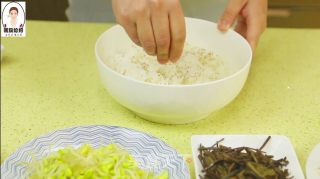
{"x": 281, "y": 13}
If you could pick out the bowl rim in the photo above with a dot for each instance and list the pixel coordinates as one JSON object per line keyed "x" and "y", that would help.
{"x": 248, "y": 63}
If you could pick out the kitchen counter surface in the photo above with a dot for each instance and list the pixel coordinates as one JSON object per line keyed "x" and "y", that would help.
{"x": 49, "y": 81}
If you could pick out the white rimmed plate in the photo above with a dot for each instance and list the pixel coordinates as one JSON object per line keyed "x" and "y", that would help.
{"x": 151, "y": 153}
{"x": 278, "y": 146}
{"x": 313, "y": 163}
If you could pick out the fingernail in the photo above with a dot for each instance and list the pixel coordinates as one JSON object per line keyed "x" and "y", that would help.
{"x": 150, "y": 53}
{"x": 162, "y": 61}
{"x": 174, "y": 59}
{"x": 153, "y": 54}
{"x": 138, "y": 43}
{"x": 224, "y": 25}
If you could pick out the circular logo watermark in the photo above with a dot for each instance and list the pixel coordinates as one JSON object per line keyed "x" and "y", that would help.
{"x": 13, "y": 19}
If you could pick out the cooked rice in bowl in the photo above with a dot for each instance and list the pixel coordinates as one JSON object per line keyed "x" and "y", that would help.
{"x": 196, "y": 65}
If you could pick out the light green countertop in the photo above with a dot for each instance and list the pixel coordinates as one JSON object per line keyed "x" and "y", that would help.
{"x": 49, "y": 81}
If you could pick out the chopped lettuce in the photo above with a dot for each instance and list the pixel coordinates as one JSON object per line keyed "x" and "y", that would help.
{"x": 106, "y": 162}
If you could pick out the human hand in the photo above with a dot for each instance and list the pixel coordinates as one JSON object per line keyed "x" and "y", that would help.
{"x": 251, "y": 16}
{"x": 156, "y": 25}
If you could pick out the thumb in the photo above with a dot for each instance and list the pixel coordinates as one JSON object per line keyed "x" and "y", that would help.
{"x": 230, "y": 13}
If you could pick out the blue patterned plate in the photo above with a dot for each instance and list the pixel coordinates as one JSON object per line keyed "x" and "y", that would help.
{"x": 151, "y": 153}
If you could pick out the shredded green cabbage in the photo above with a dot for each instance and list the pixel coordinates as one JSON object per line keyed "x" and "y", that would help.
{"x": 106, "y": 162}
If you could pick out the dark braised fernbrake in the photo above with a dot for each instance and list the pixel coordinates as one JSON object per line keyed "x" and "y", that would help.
{"x": 221, "y": 162}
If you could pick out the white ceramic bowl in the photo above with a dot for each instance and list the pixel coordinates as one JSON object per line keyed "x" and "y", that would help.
{"x": 177, "y": 104}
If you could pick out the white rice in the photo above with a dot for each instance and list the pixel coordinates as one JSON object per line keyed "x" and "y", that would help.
{"x": 196, "y": 65}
